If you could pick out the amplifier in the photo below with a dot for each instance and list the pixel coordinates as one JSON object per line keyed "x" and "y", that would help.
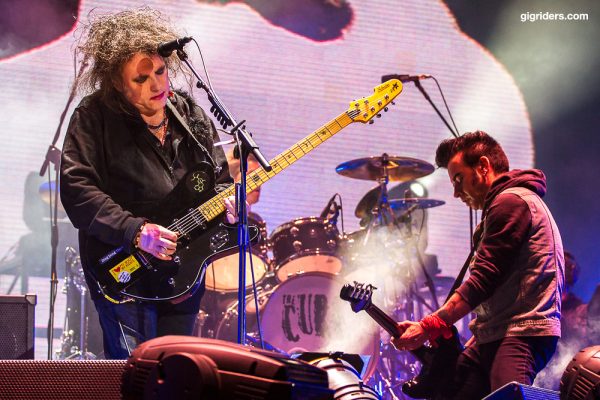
{"x": 17, "y": 326}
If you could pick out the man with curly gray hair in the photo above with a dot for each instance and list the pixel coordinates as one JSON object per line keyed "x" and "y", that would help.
{"x": 125, "y": 151}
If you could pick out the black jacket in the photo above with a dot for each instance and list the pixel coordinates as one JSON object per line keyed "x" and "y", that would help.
{"x": 114, "y": 170}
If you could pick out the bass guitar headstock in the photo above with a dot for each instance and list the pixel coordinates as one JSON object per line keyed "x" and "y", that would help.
{"x": 364, "y": 109}
{"x": 358, "y": 295}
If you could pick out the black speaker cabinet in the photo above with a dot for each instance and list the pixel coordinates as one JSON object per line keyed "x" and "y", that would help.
{"x": 17, "y": 327}
{"x": 517, "y": 391}
{"x": 62, "y": 379}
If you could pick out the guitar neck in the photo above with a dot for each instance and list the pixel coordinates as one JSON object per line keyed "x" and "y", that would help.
{"x": 213, "y": 207}
{"x": 390, "y": 326}
{"x": 384, "y": 320}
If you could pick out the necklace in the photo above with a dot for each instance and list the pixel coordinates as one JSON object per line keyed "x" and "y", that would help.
{"x": 162, "y": 133}
{"x": 155, "y": 127}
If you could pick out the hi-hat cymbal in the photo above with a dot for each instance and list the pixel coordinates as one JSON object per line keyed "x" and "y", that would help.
{"x": 375, "y": 168}
{"x": 420, "y": 202}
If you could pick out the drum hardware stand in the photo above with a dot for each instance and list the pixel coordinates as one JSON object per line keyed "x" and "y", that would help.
{"x": 390, "y": 362}
{"x": 68, "y": 349}
{"x": 388, "y": 388}
{"x": 382, "y": 209}
{"x": 383, "y": 215}
{"x": 407, "y": 219}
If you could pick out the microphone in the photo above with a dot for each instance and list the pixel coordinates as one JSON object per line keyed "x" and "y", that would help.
{"x": 327, "y": 208}
{"x": 166, "y": 48}
{"x": 405, "y": 78}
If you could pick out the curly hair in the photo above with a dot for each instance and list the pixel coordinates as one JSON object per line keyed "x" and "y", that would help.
{"x": 473, "y": 145}
{"x": 109, "y": 41}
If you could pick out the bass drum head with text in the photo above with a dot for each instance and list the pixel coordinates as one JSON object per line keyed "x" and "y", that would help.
{"x": 305, "y": 313}
{"x": 222, "y": 275}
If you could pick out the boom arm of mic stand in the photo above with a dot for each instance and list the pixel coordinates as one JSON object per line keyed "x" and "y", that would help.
{"x": 224, "y": 116}
{"x": 422, "y": 90}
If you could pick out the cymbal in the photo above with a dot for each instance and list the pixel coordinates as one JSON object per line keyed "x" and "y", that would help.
{"x": 366, "y": 204}
{"x": 420, "y": 202}
{"x": 372, "y": 168}
{"x": 45, "y": 190}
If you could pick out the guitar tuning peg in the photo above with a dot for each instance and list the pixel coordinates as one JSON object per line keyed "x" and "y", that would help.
{"x": 378, "y": 115}
{"x": 371, "y": 122}
{"x": 385, "y": 109}
{"x": 393, "y": 103}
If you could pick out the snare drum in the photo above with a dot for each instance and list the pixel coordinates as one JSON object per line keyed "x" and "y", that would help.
{"x": 305, "y": 245}
{"x": 222, "y": 275}
{"x": 305, "y": 313}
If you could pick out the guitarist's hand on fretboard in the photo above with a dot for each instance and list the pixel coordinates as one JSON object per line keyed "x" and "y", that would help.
{"x": 230, "y": 210}
{"x": 411, "y": 336}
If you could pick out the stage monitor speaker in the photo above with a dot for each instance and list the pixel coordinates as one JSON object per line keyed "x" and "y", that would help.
{"x": 517, "y": 391}
{"x": 17, "y": 327}
{"x": 62, "y": 379}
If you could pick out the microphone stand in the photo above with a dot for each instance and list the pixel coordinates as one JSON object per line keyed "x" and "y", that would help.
{"x": 428, "y": 280}
{"x": 53, "y": 157}
{"x": 246, "y": 145}
{"x": 455, "y": 134}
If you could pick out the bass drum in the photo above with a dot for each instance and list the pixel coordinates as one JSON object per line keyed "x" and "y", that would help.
{"x": 305, "y": 313}
{"x": 227, "y": 327}
{"x": 305, "y": 245}
{"x": 222, "y": 275}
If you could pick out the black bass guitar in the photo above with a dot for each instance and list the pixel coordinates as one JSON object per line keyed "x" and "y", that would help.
{"x": 436, "y": 361}
{"x": 203, "y": 235}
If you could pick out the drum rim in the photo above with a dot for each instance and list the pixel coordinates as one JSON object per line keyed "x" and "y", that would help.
{"x": 266, "y": 262}
{"x": 290, "y": 224}
{"x": 295, "y": 256}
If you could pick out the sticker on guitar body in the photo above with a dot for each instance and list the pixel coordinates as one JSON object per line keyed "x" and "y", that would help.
{"x": 123, "y": 270}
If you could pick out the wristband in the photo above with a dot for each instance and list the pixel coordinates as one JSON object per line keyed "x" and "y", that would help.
{"x": 136, "y": 239}
{"x": 435, "y": 327}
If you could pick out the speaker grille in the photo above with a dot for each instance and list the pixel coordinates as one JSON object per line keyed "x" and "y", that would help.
{"x": 50, "y": 380}
{"x": 16, "y": 327}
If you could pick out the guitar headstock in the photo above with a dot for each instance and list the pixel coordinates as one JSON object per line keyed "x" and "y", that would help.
{"x": 358, "y": 294}
{"x": 364, "y": 109}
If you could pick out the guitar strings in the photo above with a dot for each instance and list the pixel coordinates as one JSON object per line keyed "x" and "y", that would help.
{"x": 196, "y": 218}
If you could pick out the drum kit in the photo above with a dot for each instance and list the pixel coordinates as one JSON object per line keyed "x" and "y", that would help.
{"x": 300, "y": 268}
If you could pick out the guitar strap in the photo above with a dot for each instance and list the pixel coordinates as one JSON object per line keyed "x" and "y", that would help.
{"x": 179, "y": 118}
{"x": 461, "y": 275}
{"x": 459, "y": 279}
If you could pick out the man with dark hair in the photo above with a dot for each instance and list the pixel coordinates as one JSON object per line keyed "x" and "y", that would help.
{"x": 516, "y": 272}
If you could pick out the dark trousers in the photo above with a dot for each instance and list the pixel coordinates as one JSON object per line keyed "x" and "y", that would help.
{"x": 483, "y": 368}
{"x": 125, "y": 326}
